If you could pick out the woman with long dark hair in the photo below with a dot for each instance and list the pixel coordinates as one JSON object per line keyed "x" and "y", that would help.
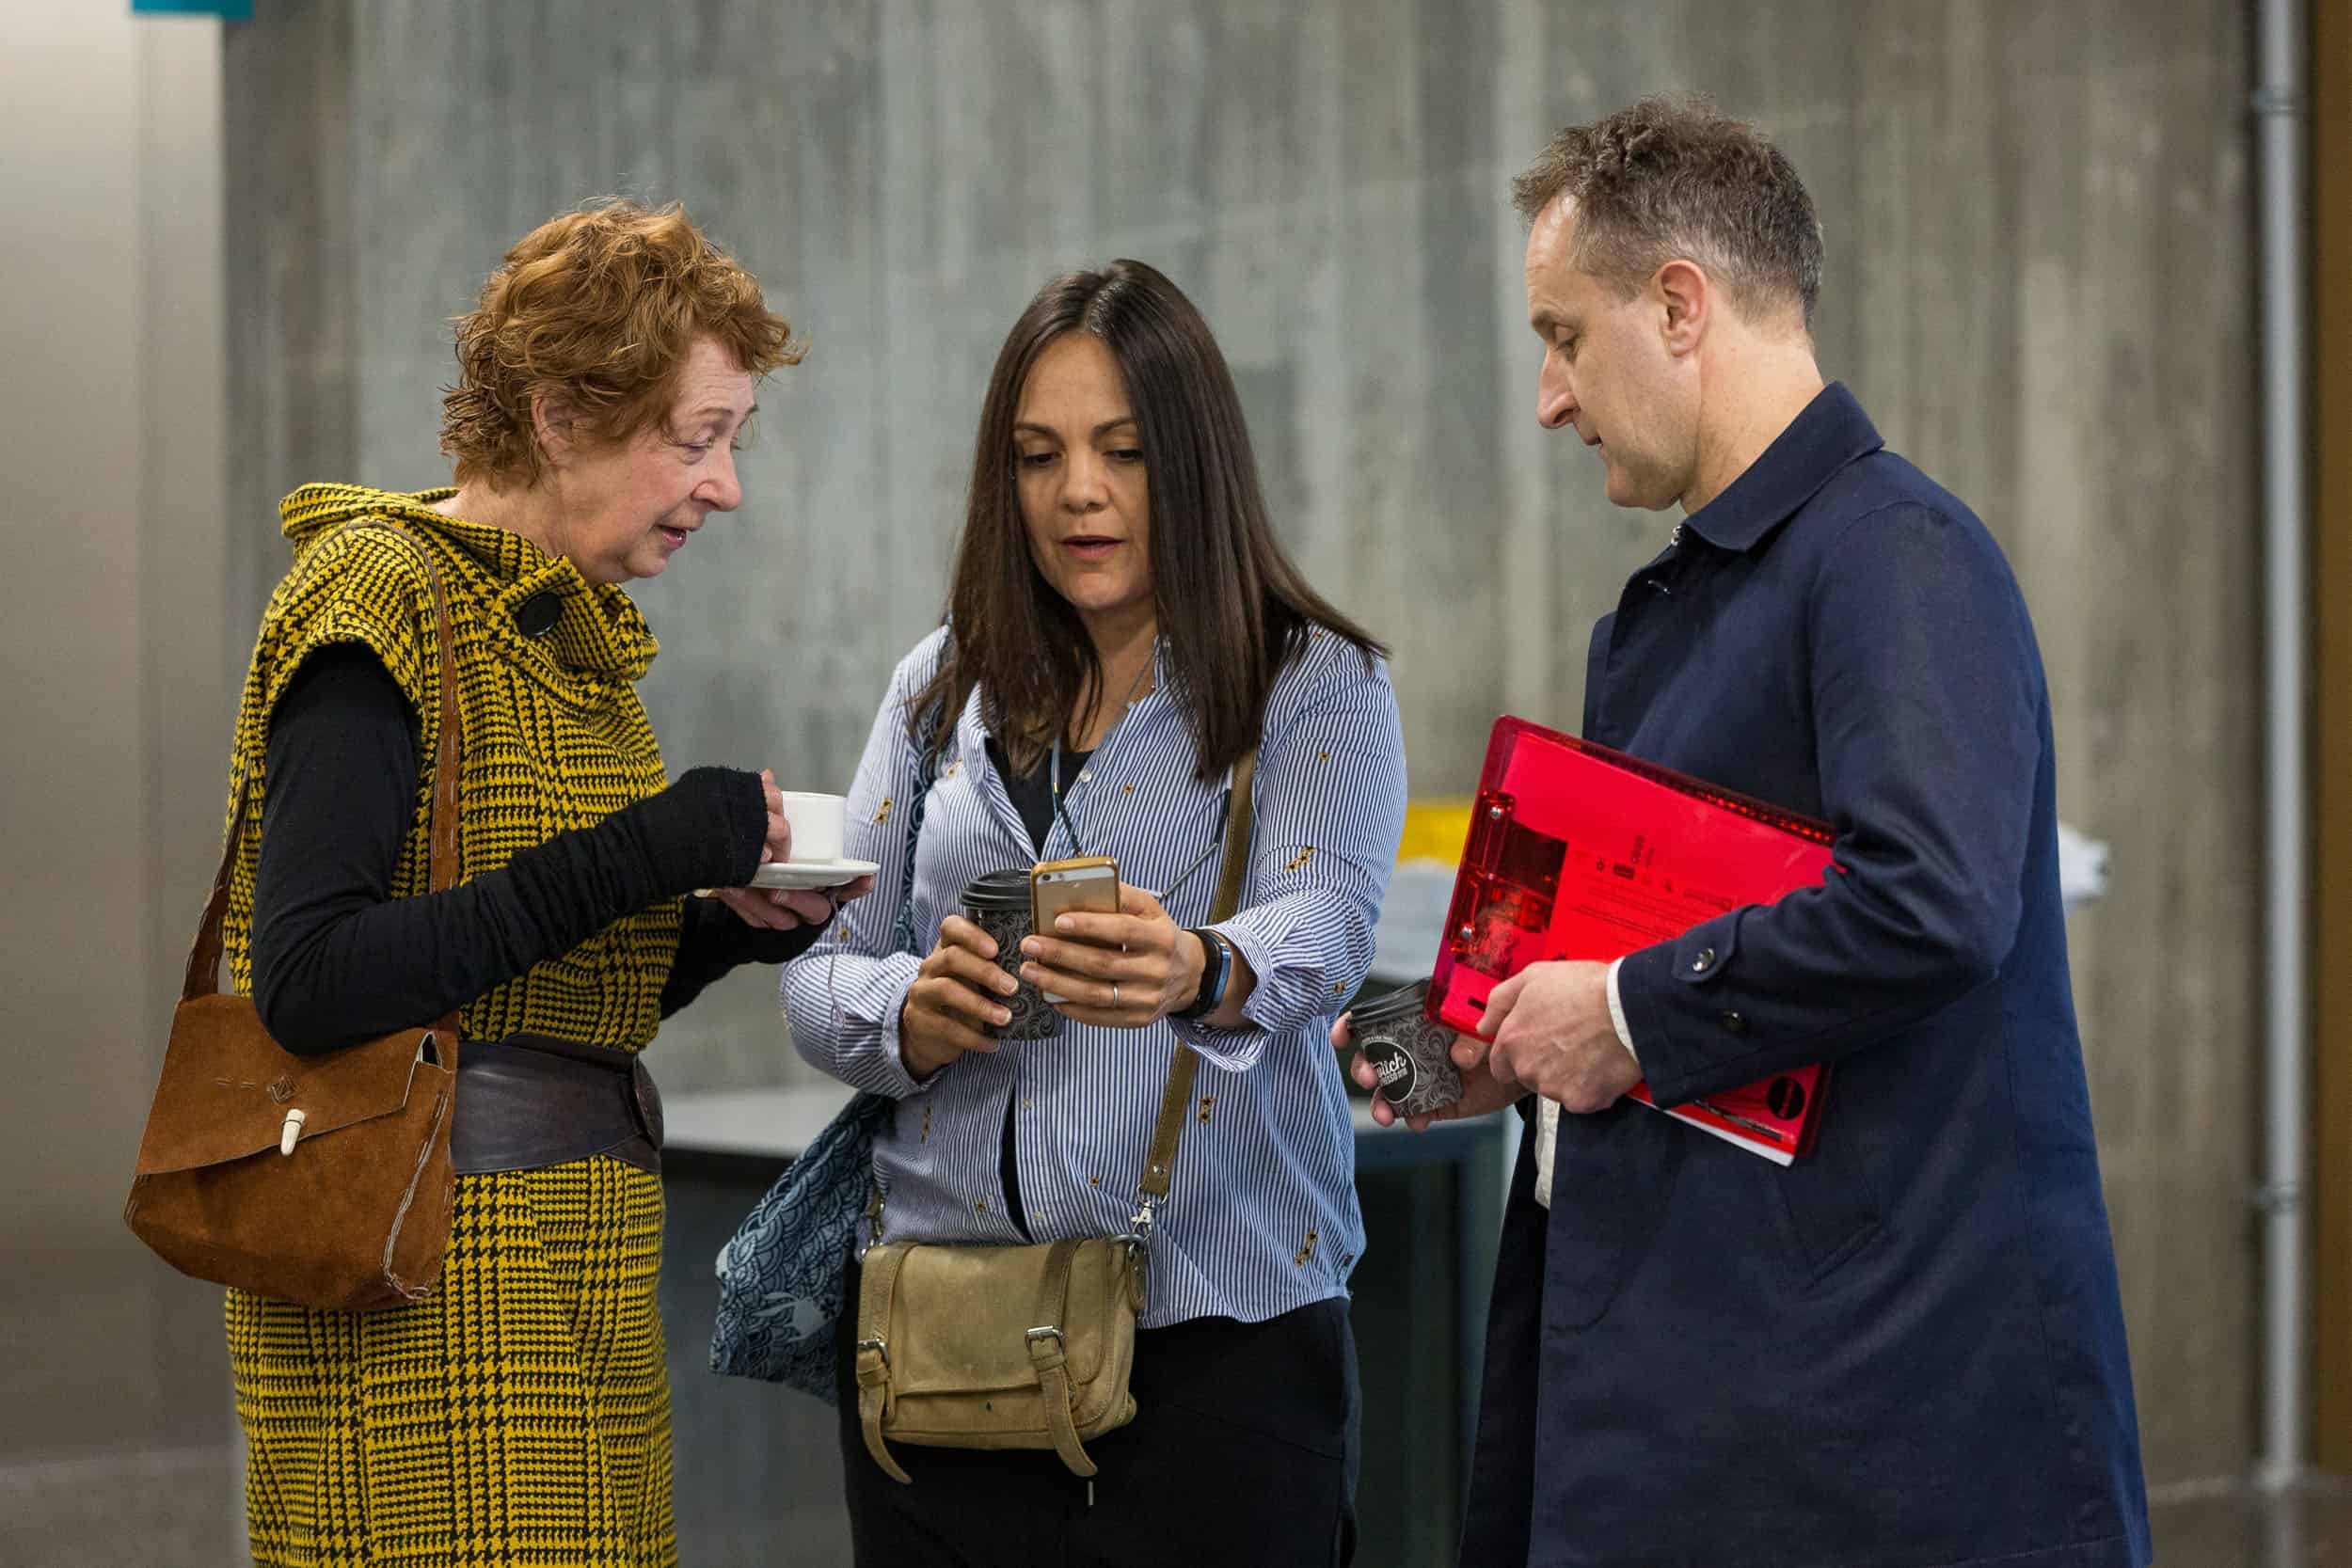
{"x": 1122, "y": 630}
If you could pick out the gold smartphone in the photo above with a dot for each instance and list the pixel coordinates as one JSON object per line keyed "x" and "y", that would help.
{"x": 1086, "y": 885}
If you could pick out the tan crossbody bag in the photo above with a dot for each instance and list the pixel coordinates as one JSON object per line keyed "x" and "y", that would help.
{"x": 1023, "y": 1347}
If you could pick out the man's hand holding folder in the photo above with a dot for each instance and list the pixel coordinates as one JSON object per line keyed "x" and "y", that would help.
{"x": 1548, "y": 1033}
{"x": 1577, "y": 856}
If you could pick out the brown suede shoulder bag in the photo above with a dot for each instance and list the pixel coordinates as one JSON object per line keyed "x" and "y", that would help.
{"x": 323, "y": 1180}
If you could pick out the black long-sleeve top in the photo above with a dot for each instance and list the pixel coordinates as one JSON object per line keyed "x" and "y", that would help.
{"x": 337, "y": 960}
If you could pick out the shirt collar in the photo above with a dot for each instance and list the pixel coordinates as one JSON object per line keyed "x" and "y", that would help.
{"x": 1829, "y": 433}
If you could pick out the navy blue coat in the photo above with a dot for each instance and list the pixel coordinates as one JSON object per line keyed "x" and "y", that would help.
{"x": 1906, "y": 1349}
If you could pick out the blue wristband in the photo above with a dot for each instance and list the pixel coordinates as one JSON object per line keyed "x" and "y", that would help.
{"x": 1215, "y": 976}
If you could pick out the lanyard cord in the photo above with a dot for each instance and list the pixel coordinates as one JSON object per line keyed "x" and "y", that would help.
{"x": 1055, "y": 777}
{"x": 1224, "y": 806}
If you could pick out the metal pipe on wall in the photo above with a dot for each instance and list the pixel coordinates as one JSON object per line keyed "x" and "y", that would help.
{"x": 2279, "y": 119}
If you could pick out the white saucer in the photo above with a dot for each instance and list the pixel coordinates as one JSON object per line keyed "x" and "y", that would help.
{"x": 811, "y": 874}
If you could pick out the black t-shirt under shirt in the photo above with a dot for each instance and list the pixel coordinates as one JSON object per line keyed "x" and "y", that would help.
{"x": 1033, "y": 797}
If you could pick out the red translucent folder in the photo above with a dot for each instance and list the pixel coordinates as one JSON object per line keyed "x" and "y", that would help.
{"x": 1577, "y": 851}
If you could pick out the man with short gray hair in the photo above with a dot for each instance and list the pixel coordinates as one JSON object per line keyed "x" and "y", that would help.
{"x": 1905, "y": 1347}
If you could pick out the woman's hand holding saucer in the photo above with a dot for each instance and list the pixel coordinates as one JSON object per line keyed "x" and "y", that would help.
{"x": 779, "y": 843}
{"x": 782, "y": 908}
{"x": 778, "y": 909}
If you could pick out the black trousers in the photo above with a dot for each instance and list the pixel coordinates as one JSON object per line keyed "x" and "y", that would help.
{"x": 1241, "y": 1454}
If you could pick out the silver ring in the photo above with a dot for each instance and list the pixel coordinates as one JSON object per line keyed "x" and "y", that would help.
{"x": 1114, "y": 993}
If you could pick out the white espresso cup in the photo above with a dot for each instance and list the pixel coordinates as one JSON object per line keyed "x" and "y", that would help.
{"x": 816, "y": 824}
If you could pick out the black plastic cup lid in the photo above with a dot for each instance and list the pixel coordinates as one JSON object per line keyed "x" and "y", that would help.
{"x": 998, "y": 890}
{"x": 1405, "y": 1002}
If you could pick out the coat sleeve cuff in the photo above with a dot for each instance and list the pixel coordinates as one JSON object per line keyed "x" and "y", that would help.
{"x": 1639, "y": 1000}
{"x": 1617, "y": 1014}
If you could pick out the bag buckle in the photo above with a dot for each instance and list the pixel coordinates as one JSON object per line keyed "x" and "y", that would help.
{"x": 1048, "y": 1349}
{"x": 873, "y": 1374}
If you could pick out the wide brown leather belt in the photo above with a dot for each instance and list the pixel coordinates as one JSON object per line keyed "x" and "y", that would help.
{"x": 529, "y": 1102}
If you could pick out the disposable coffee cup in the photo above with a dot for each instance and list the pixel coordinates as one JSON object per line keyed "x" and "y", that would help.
{"x": 816, "y": 824}
{"x": 998, "y": 904}
{"x": 1412, "y": 1061}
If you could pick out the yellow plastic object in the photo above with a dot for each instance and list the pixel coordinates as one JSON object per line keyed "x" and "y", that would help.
{"x": 1436, "y": 829}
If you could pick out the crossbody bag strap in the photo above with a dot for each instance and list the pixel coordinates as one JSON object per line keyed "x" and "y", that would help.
{"x": 918, "y": 796}
{"x": 876, "y": 1286}
{"x": 202, "y": 976}
{"x": 902, "y": 931}
{"x": 1049, "y": 1355}
{"x": 1176, "y": 1100}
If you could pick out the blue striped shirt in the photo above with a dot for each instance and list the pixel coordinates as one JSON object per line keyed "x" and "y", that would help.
{"x": 1261, "y": 1216}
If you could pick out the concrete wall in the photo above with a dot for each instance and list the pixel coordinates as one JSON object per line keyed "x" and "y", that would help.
{"x": 2038, "y": 283}
{"x": 117, "y": 697}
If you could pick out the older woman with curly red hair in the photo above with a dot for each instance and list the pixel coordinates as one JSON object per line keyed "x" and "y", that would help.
{"x": 521, "y": 1413}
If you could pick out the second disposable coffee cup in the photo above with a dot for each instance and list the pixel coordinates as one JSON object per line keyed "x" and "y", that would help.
{"x": 1411, "y": 1057}
{"x": 998, "y": 904}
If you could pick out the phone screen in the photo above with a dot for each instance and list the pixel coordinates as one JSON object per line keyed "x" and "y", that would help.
{"x": 1059, "y": 889}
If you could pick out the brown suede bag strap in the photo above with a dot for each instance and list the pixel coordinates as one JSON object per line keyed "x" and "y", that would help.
{"x": 1176, "y": 1100}
{"x": 1049, "y": 1353}
{"x": 202, "y": 978}
{"x": 877, "y": 1284}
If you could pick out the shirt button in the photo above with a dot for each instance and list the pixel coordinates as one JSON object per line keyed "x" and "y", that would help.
{"x": 1704, "y": 961}
{"x": 1026, "y": 1103}
{"x": 1734, "y": 1023}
